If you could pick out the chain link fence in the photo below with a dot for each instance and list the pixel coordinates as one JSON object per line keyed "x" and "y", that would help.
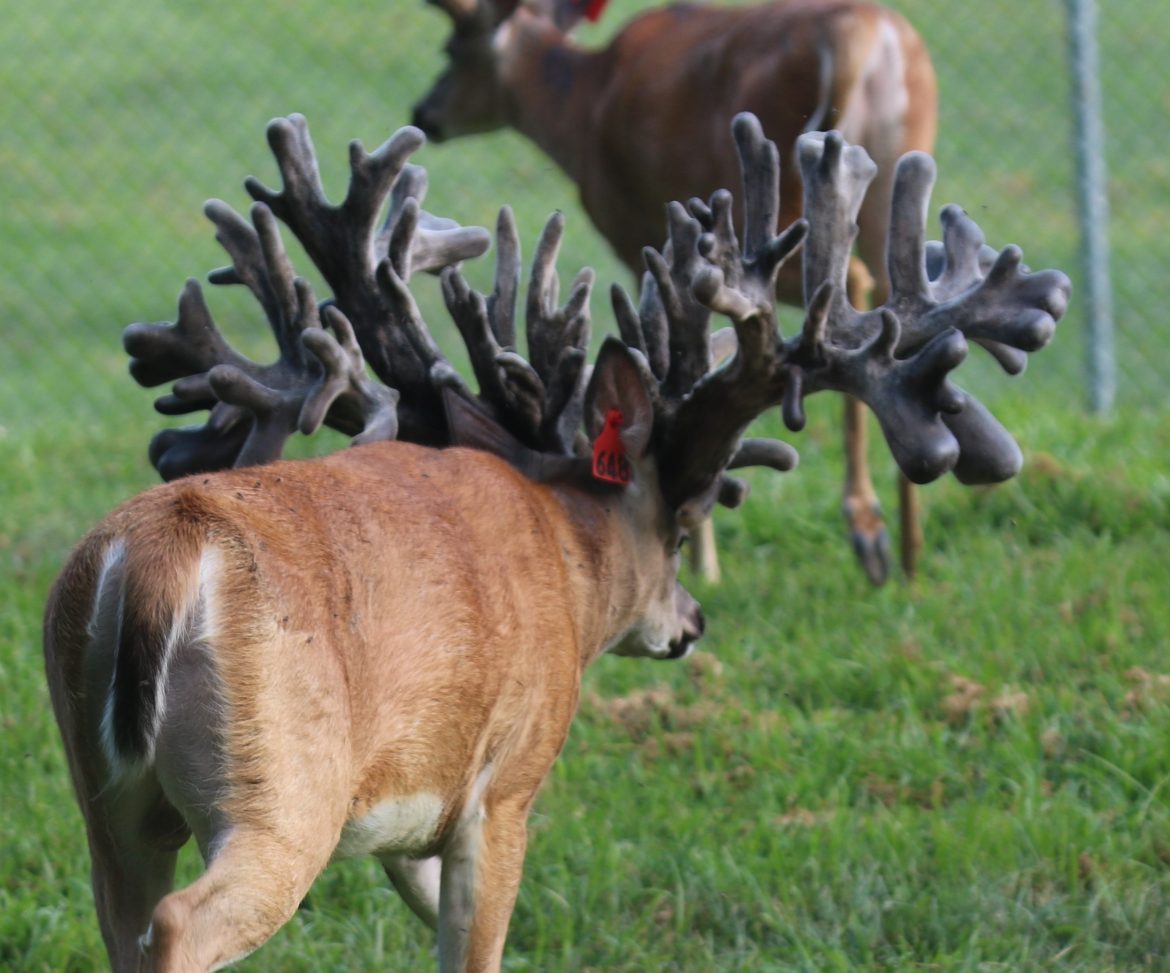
{"x": 117, "y": 122}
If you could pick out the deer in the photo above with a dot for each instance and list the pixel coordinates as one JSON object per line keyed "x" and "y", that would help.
{"x": 640, "y": 122}
{"x": 380, "y": 651}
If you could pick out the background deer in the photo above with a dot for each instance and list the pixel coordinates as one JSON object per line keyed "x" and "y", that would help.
{"x": 641, "y": 122}
{"x": 380, "y": 652}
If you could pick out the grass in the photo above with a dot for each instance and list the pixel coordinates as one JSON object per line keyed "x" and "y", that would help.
{"x": 966, "y": 773}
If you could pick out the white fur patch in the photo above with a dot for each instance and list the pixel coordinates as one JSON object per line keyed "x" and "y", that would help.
{"x": 109, "y": 597}
{"x": 104, "y": 625}
{"x": 401, "y": 824}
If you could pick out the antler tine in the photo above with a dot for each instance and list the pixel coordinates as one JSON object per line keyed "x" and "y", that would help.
{"x": 540, "y": 399}
{"x": 319, "y": 375}
{"x": 955, "y": 267}
{"x": 341, "y": 242}
{"x": 212, "y": 372}
{"x": 558, "y": 337}
{"x": 687, "y": 319}
{"x": 897, "y": 358}
{"x": 338, "y": 239}
{"x": 992, "y": 298}
{"x": 835, "y": 177}
{"x": 191, "y": 345}
{"x": 488, "y": 329}
{"x": 551, "y": 328}
{"x": 501, "y": 305}
{"x": 701, "y": 438}
{"x": 417, "y": 241}
{"x": 644, "y": 327}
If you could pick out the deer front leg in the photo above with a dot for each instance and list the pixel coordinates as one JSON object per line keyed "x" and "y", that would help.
{"x": 481, "y": 877}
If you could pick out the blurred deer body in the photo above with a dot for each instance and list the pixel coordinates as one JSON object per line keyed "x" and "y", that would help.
{"x": 625, "y": 123}
{"x": 376, "y": 652}
{"x": 641, "y": 122}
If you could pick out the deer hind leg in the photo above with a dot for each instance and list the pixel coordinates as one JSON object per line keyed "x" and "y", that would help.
{"x": 134, "y": 832}
{"x": 134, "y": 838}
{"x": 253, "y": 884}
{"x": 911, "y": 525}
{"x": 481, "y": 877}
{"x": 865, "y": 291}
{"x": 860, "y": 505}
{"x": 265, "y": 838}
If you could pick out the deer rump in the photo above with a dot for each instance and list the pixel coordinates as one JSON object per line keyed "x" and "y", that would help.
{"x": 217, "y": 567}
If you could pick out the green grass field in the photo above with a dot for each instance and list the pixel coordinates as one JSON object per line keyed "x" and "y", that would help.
{"x": 966, "y": 773}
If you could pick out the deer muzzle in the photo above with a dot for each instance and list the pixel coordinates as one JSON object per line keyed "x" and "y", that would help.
{"x": 423, "y": 118}
{"x": 693, "y": 626}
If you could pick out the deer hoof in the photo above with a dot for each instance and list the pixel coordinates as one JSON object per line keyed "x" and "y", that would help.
{"x": 873, "y": 551}
{"x": 871, "y": 540}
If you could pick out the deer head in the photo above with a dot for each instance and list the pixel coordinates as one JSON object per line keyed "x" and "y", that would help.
{"x": 473, "y": 93}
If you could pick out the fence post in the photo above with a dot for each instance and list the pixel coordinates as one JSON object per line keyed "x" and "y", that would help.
{"x": 1093, "y": 201}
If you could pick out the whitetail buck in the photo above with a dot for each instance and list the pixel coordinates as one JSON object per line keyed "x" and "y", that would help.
{"x": 642, "y": 121}
{"x": 380, "y": 652}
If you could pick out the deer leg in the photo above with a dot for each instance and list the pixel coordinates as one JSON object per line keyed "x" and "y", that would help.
{"x": 862, "y": 510}
{"x": 860, "y": 505}
{"x": 481, "y": 877}
{"x": 252, "y": 886}
{"x": 911, "y": 525}
{"x": 134, "y": 832}
{"x": 134, "y": 837}
{"x": 417, "y": 881}
{"x": 704, "y": 557}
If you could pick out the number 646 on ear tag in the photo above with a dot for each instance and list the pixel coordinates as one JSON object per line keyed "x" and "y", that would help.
{"x": 610, "y": 463}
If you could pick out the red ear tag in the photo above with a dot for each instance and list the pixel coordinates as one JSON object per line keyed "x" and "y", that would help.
{"x": 609, "y": 453}
{"x": 593, "y": 9}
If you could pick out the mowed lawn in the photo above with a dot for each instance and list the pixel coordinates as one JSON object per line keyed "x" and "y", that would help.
{"x": 967, "y": 772}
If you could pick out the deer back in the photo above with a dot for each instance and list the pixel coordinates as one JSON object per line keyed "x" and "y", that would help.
{"x": 403, "y": 612}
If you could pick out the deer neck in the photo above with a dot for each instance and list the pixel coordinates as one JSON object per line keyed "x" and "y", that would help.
{"x": 603, "y": 555}
{"x": 551, "y": 87}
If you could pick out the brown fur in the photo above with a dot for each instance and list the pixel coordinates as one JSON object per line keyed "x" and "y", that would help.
{"x": 387, "y": 622}
{"x": 645, "y": 120}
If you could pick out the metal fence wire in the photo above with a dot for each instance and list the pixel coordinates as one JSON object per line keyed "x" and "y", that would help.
{"x": 118, "y": 121}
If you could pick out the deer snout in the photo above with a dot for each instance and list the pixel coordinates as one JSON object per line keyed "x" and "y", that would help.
{"x": 693, "y": 626}
{"x": 423, "y": 117}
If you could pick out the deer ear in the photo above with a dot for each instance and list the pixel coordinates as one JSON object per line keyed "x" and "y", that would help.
{"x": 567, "y": 14}
{"x": 619, "y": 383}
